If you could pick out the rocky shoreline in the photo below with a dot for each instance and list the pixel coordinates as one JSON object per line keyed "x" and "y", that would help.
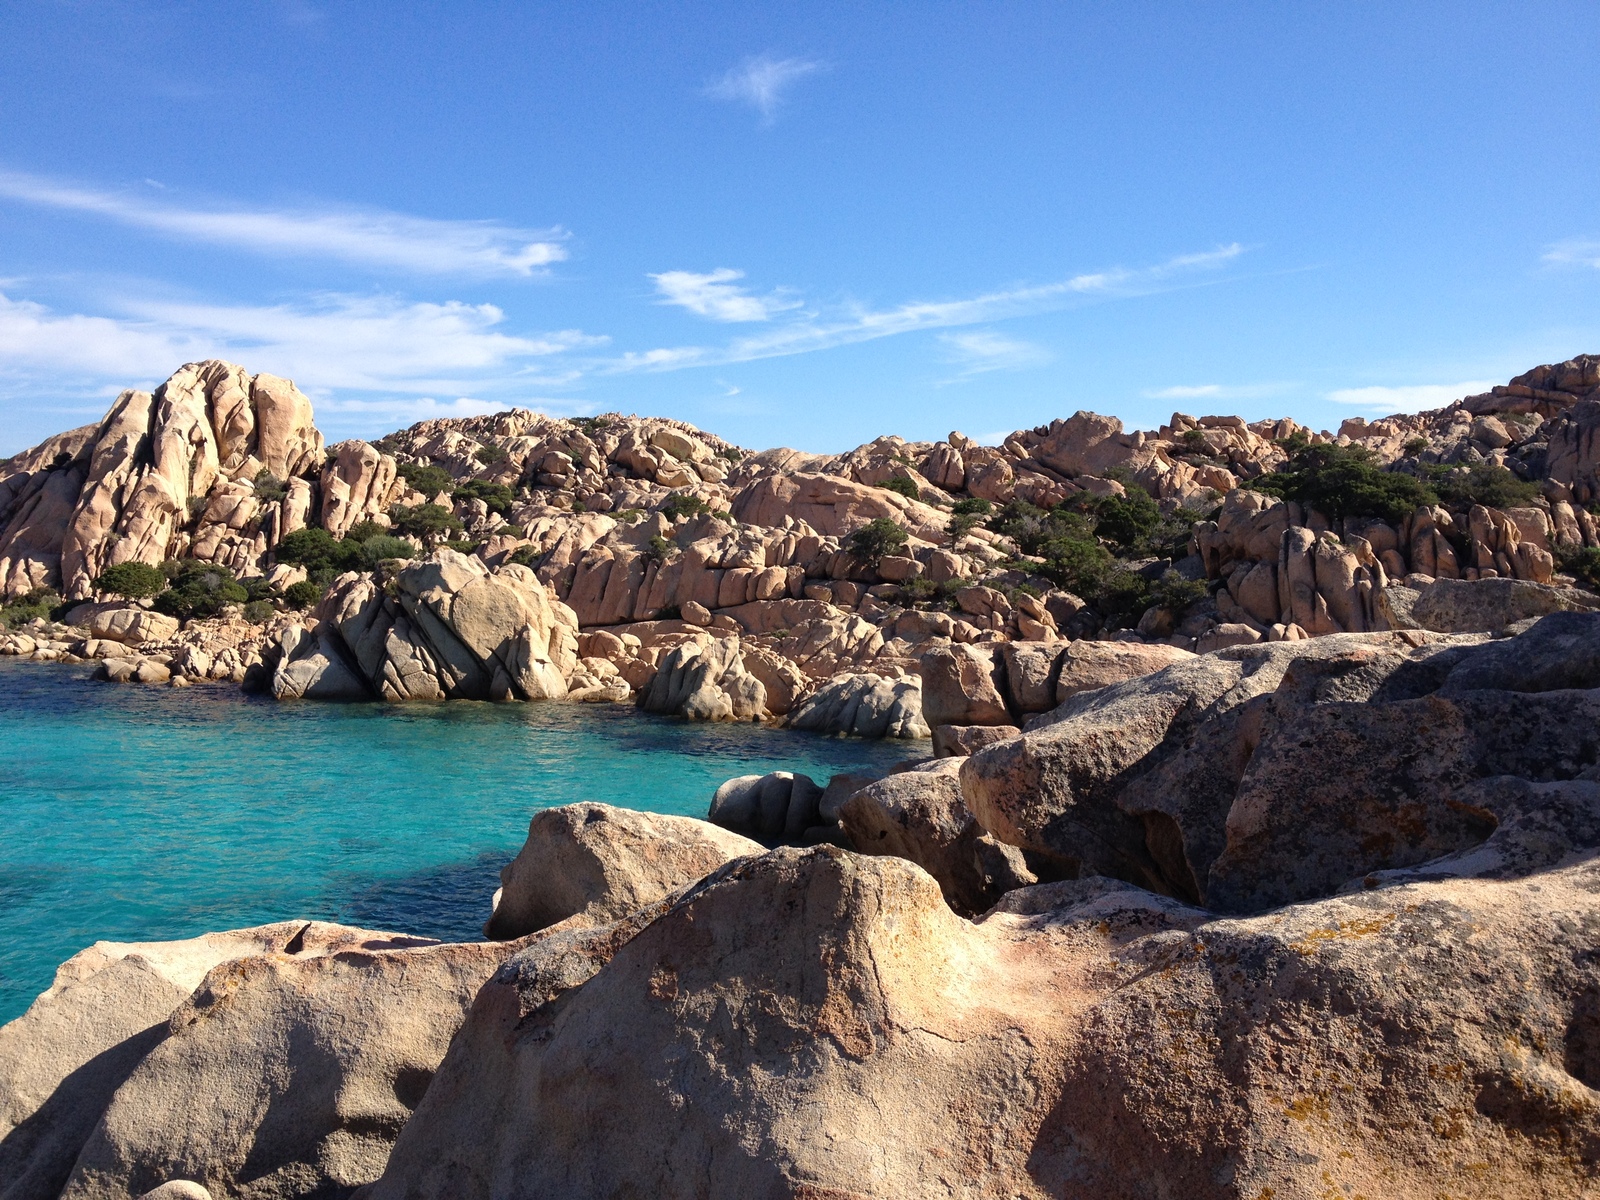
{"x": 1263, "y": 867}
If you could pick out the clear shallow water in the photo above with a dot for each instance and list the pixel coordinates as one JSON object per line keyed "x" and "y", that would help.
{"x": 135, "y": 813}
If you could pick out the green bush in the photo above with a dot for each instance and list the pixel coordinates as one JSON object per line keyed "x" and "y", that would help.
{"x": 269, "y": 488}
{"x": 661, "y": 549}
{"x": 257, "y": 588}
{"x": 961, "y": 524}
{"x": 1126, "y": 520}
{"x": 1175, "y": 593}
{"x": 316, "y": 549}
{"x": 303, "y": 595}
{"x": 40, "y": 603}
{"x": 1415, "y": 446}
{"x": 496, "y": 496}
{"x": 385, "y": 546}
{"x": 200, "y": 590}
{"x": 731, "y": 453}
{"x": 1345, "y": 481}
{"x": 683, "y": 505}
{"x": 1194, "y": 441}
{"x": 428, "y": 523}
{"x": 363, "y": 530}
{"x": 973, "y": 506}
{"x": 258, "y": 612}
{"x": 131, "y": 580}
{"x": 1482, "y": 483}
{"x": 629, "y": 516}
{"x": 902, "y": 486}
{"x": 490, "y": 454}
{"x": 919, "y": 589}
{"x": 875, "y": 539}
{"x": 460, "y": 545}
{"x": 1584, "y": 564}
{"x": 427, "y": 478}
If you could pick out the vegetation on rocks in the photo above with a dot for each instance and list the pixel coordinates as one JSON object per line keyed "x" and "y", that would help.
{"x": 40, "y": 603}
{"x": 877, "y": 538}
{"x": 131, "y": 581}
{"x": 902, "y": 486}
{"x": 427, "y": 478}
{"x": 1346, "y": 481}
{"x": 428, "y": 523}
{"x": 200, "y": 589}
{"x": 303, "y": 595}
{"x": 497, "y": 497}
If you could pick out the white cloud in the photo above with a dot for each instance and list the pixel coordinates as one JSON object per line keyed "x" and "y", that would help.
{"x": 761, "y": 81}
{"x": 857, "y": 324}
{"x": 715, "y": 295}
{"x": 360, "y": 343}
{"x": 372, "y": 237}
{"x": 1186, "y": 393}
{"x": 1575, "y": 252}
{"x": 1408, "y": 399}
{"x": 982, "y": 350}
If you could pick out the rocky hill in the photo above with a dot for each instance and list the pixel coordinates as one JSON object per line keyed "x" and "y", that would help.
{"x": 615, "y": 557}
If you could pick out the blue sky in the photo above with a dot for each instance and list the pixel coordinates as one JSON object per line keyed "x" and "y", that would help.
{"x": 796, "y": 224}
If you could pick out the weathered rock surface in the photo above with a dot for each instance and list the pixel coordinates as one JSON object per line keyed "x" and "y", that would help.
{"x": 63, "y": 1060}
{"x": 864, "y": 705}
{"x": 919, "y": 815}
{"x": 1083, "y": 1038}
{"x": 1489, "y": 605}
{"x": 309, "y": 1065}
{"x": 780, "y": 805}
{"x": 706, "y": 683}
{"x": 590, "y": 864}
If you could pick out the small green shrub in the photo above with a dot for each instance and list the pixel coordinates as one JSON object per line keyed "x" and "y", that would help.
{"x": 460, "y": 545}
{"x": 1415, "y": 446}
{"x": 525, "y": 556}
{"x": 269, "y": 488}
{"x": 38, "y": 603}
{"x": 303, "y": 595}
{"x": 661, "y": 549}
{"x": 200, "y": 590}
{"x": 972, "y": 506}
{"x": 683, "y": 505}
{"x": 131, "y": 580}
{"x": 732, "y": 453}
{"x": 629, "y": 516}
{"x": 919, "y": 589}
{"x": 427, "y": 478}
{"x": 961, "y": 524}
{"x": 1126, "y": 520}
{"x": 1584, "y": 564}
{"x": 497, "y": 497}
{"x": 428, "y": 523}
{"x": 1175, "y": 593}
{"x": 362, "y": 530}
{"x": 316, "y": 549}
{"x": 257, "y": 588}
{"x": 258, "y": 612}
{"x": 490, "y": 454}
{"x": 875, "y": 539}
{"x": 385, "y": 546}
{"x": 1194, "y": 441}
{"x": 902, "y": 486}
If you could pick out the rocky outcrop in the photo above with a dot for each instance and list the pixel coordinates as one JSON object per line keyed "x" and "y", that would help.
{"x": 64, "y": 1060}
{"x": 706, "y": 683}
{"x": 1083, "y": 1037}
{"x": 1490, "y": 605}
{"x": 342, "y": 1043}
{"x": 865, "y": 705}
{"x": 1274, "y": 773}
{"x": 919, "y": 815}
{"x": 780, "y": 806}
{"x": 591, "y": 864}
{"x": 443, "y": 627}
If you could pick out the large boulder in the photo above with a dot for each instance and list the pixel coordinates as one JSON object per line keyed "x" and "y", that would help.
{"x": 1085, "y": 666}
{"x": 286, "y": 1075}
{"x": 962, "y": 685}
{"x": 133, "y": 626}
{"x": 1084, "y": 1038}
{"x": 780, "y": 805}
{"x": 1489, "y": 605}
{"x": 62, "y": 1061}
{"x": 312, "y": 666}
{"x": 705, "y": 683}
{"x": 864, "y": 705}
{"x": 919, "y": 815}
{"x": 591, "y": 863}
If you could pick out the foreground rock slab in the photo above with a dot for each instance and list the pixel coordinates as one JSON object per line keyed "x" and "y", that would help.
{"x": 1084, "y": 1038}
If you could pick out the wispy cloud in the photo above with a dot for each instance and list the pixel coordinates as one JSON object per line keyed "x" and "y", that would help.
{"x": 1574, "y": 252}
{"x": 716, "y": 295}
{"x": 1410, "y": 399}
{"x": 761, "y": 82}
{"x": 980, "y": 351}
{"x": 1186, "y": 393}
{"x": 808, "y": 332}
{"x": 346, "y": 342}
{"x": 1220, "y": 391}
{"x": 371, "y": 237}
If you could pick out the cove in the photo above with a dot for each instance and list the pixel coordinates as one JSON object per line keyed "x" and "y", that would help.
{"x": 134, "y": 813}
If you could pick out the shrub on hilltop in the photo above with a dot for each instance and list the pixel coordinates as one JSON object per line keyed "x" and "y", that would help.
{"x": 1345, "y": 481}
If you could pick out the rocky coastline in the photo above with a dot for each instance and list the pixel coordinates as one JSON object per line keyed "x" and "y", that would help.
{"x": 1265, "y": 866}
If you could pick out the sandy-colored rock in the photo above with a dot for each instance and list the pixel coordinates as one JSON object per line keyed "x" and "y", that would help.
{"x": 1084, "y": 1038}
{"x": 781, "y": 805}
{"x": 865, "y": 705}
{"x": 1463, "y": 606}
{"x": 308, "y": 1065}
{"x": 62, "y": 1060}
{"x": 356, "y": 485}
{"x": 706, "y": 683}
{"x": 592, "y": 864}
{"x": 1086, "y": 666}
{"x": 311, "y": 666}
{"x": 132, "y": 626}
{"x": 919, "y": 815}
{"x": 961, "y": 686}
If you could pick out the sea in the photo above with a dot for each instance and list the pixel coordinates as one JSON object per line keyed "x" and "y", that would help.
{"x": 141, "y": 813}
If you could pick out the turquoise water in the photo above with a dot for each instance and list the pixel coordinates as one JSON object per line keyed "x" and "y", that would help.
{"x": 140, "y": 813}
